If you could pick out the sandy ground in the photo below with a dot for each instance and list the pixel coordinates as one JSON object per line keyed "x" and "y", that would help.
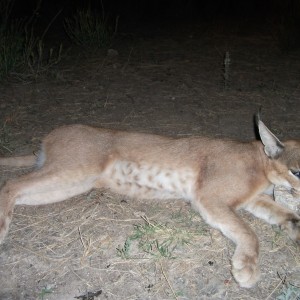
{"x": 168, "y": 81}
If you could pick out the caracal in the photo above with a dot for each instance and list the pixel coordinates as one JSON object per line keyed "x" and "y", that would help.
{"x": 217, "y": 176}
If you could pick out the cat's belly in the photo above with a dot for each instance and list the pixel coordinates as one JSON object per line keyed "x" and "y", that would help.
{"x": 149, "y": 181}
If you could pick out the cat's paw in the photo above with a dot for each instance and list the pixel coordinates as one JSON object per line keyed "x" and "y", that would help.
{"x": 245, "y": 269}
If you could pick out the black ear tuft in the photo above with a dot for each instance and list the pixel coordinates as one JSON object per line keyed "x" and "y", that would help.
{"x": 258, "y": 115}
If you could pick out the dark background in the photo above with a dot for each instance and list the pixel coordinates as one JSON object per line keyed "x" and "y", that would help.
{"x": 145, "y": 10}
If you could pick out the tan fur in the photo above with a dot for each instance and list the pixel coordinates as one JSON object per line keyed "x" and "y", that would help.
{"x": 216, "y": 176}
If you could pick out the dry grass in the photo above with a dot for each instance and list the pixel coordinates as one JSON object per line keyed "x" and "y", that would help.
{"x": 79, "y": 241}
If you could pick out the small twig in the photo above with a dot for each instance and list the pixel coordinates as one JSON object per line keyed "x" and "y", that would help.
{"x": 28, "y": 226}
{"x": 145, "y": 218}
{"x": 6, "y": 148}
{"x": 282, "y": 280}
{"x": 50, "y": 23}
{"x": 80, "y": 236}
{"x": 86, "y": 246}
{"x": 83, "y": 280}
{"x": 127, "y": 116}
{"x": 116, "y": 25}
{"x": 226, "y": 70}
{"x": 128, "y": 59}
{"x": 167, "y": 280}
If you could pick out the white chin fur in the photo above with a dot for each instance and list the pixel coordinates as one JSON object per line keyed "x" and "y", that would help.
{"x": 269, "y": 190}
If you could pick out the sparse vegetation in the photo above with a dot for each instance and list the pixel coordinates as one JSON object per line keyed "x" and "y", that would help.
{"x": 36, "y": 57}
{"x": 11, "y": 40}
{"x": 123, "y": 252}
{"x": 45, "y": 291}
{"x": 88, "y": 29}
{"x": 20, "y": 49}
{"x": 158, "y": 240}
{"x": 289, "y": 292}
{"x": 288, "y": 31}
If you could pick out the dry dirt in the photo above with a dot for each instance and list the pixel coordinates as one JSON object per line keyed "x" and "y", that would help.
{"x": 168, "y": 81}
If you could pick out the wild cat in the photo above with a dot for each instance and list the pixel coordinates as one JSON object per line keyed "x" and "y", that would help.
{"x": 217, "y": 176}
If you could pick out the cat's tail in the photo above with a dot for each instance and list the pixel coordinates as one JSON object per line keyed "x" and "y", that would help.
{"x": 18, "y": 161}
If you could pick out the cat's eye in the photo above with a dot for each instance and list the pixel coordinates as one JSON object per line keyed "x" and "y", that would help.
{"x": 296, "y": 173}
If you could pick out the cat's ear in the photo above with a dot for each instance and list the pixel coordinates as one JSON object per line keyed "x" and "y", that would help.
{"x": 273, "y": 146}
